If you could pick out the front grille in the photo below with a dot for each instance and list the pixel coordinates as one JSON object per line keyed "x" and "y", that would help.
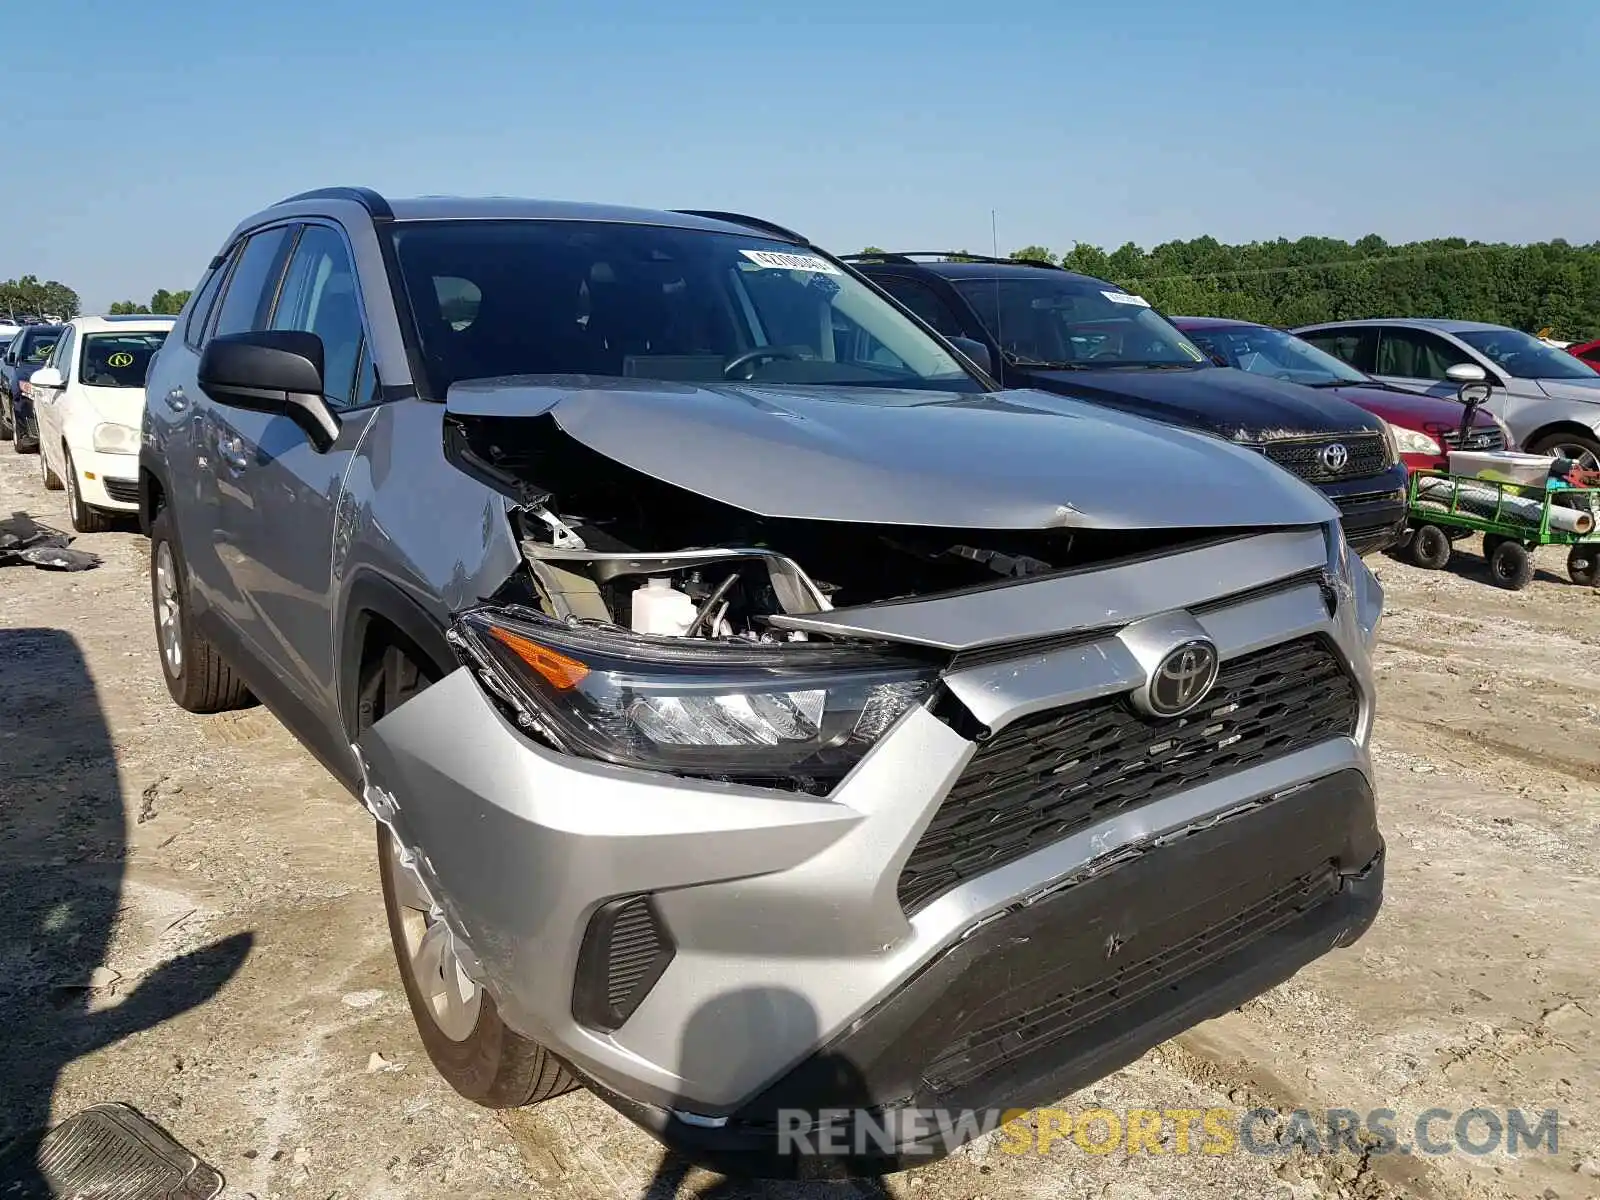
{"x": 124, "y": 491}
{"x": 990, "y": 1048}
{"x": 1479, "y": 439}
{"x": 1367, "y": 454}
{"x": 1055, "y": 772}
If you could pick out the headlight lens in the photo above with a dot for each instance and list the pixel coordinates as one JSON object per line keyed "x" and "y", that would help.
{"x": 1414, "y": 441}
{"x": 802, "y": 712}
{"x": 111, "y": 438}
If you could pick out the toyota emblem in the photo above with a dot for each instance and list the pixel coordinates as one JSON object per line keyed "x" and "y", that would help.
{"x": 1182, "y": 679}
{"x": 1334, "y": 456}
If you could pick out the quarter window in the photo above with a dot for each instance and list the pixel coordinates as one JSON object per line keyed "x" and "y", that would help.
{"x": 200, "y": 311}
{"x": 1358, "y": 347}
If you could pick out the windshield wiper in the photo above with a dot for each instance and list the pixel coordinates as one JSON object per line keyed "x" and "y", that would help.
{"x": 1333, "y": 383}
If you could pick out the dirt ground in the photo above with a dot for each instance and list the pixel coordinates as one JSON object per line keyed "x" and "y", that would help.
{"x": 192, "y": 924}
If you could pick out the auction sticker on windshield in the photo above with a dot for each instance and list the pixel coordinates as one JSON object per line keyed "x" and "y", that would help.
{"x": 1124, "y": 298}
{"x": 790, "y": 262}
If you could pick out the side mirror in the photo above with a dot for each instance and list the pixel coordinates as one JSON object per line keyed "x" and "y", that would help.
{"x": 976, "y": 351}
{"x": 276, "y": 371}
{"x": 1466, "y": 373}
{"x": 47, "y": 377}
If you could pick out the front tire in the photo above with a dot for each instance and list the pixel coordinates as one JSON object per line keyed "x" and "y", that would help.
{"x": 48, "y": 478}
{"x": 1583, "y": 564}
{"x": 1585, "y": 451}
{"x": 84, "y": 518}
{"x": 198, "y": 678}
{"x": 477, "y": 1053}
{"x": 1430, "y": 548}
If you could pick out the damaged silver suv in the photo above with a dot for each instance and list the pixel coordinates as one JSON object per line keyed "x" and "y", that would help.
{"x": 764, "y": 717}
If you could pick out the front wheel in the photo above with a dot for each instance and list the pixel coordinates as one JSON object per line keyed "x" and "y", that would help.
{"x": 1511, "y": 566}
{"x": 476, "y": 1052}
{"x": 1430, "y": 548}
{"x": 48, "y": 479}
{"x": 1584, "y": 450}
{"x": 1583, "y": 564}
{"x": 84, "y": 518}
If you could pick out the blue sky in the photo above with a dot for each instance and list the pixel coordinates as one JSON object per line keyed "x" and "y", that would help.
{"x": 153, "y": 128}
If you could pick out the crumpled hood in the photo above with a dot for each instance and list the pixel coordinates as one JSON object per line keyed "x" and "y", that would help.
{"x": 1008, "y": 460}
{"x": 1572, "y": 389}
{"x": 1234, "y": 404}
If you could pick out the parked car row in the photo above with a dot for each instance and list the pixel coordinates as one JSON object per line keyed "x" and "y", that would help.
{"x": 778, "y": 684}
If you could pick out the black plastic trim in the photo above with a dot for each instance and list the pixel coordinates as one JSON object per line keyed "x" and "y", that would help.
{"x": 594, "y": 999}
{"x": 377, "y": 207}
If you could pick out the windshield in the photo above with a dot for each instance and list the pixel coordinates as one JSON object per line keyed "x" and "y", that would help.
{"x": 1525, "y": 357}
{"x": 1070, "y": 322}
{"x": 119, "y": 360}
{"x": 1263, "y": 351}
{"x": 497, "y": 298}
{"x": 36, "y": 348}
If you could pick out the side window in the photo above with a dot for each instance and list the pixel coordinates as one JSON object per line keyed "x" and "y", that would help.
{"x": 1355, "y": 346}
{"x": 922, "y": 300}
{"x": 319, "y": 296}
{"x": 194, "y": 325}
{"x": 61, "y": 356}
{"x": 1592, "y": 357}
{"x": 1413, "y": 354}
{"x": 253, "y": 283}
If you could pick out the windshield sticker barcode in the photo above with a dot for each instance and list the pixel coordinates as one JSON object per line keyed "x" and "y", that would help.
{"x": 1122, "y": 298}
{"x": 790, "y": 262}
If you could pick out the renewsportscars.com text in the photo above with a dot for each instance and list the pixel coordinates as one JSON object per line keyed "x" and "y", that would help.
{"x": 1179, "y": 1131}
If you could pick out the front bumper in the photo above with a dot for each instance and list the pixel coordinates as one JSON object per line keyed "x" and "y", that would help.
{"x": 769, "y": 956}
{"x": 1373, "y": 520}
{"x": 107, "y": 481}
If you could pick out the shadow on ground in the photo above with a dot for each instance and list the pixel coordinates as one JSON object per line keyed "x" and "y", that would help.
{"x": 63, "y": 848}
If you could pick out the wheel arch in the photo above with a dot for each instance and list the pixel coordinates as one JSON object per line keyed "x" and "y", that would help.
{"x": 379, "y": 615}
{"x": 1559, "y": 427}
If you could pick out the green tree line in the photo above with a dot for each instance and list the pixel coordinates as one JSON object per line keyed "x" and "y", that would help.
{"x": 28, "y": 297}
{"x": 1547, "y": 285}
{"x": 162, "y": 302}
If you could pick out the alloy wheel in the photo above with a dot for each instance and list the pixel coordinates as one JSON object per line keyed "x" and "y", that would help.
{"x": 169, "y": 617}
{"x": 453, "y": 999}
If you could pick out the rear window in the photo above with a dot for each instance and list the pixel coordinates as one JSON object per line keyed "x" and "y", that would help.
{"x": 36, "y": 347}
{"x": 118, "y": 360}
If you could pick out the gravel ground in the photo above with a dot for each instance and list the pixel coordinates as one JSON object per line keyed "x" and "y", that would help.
{"x": 193, "y": 925}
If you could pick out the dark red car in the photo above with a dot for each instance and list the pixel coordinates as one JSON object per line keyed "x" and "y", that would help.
{"x": 1425, "y": 427}
{"x": 1588, "y": 351}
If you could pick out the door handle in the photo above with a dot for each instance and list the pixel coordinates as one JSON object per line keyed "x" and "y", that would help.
{"x": 232, "y": 450}
{"x": 176, "y": 400}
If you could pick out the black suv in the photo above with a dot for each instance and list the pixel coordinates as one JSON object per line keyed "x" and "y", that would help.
{"x": 1049, "y": 328}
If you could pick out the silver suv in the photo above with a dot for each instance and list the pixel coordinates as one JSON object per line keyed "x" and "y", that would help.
{"x": 762, "y": 714}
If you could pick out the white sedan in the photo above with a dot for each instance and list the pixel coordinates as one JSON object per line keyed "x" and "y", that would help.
{"x": 89, "y": 400}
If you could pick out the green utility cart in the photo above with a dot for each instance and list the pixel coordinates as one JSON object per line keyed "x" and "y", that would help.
{"x": 1514, "y": 519}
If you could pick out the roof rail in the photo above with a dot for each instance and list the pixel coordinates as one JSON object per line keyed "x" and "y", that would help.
{"x": 908, "y": 256}
{"x": 377, "y": 207}
{"x": 733, "y": 218}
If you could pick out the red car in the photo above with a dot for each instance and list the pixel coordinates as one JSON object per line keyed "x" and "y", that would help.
{"x": 1425, "y": 427}
{"x": 1588, "y": 351}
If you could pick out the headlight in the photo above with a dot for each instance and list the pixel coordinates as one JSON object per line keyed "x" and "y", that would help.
{"x": 1414, "y": 441}
{"x": 1505, "y": 431}
{"x": 798, "y": 711}
{"x": 111, "y": 438}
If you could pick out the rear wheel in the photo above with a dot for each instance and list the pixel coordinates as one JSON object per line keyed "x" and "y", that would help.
{"x": 84, "y": 518}
{"x": 1583, "y": 564}
{"x": 477, "y": 1053}
{"x": 197, "y": 676}
{"x": 6, "y": 432}
{"x": 1430, "y": 548}
{"x": 1511, "y": 565}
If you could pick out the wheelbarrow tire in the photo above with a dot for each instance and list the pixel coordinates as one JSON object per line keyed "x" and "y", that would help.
{"x": 1430, "y": 548}
{"x": 1583, "y": 564}
{"x": 1511, "y": 565}
{"x": 1491, "y": 542}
